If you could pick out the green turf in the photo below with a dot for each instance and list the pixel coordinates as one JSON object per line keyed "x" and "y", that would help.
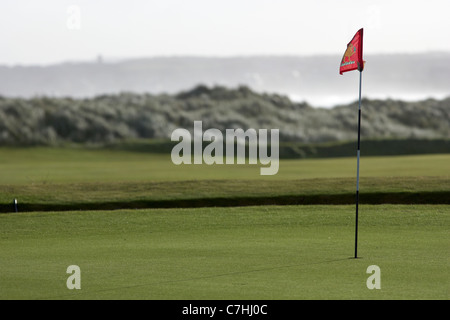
{"x": 266, "y": 252}
{"x": 201, "y": 193}
{"x": 263, "y": 252}
{"x": 72, "y": 165}
{"x": 72, "y": 179}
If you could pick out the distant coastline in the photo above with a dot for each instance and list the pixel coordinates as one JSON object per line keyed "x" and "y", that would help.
{"x": 314, "y": 79}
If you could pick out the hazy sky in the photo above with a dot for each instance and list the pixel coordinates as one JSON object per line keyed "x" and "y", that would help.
{"x": 52, "y": 31}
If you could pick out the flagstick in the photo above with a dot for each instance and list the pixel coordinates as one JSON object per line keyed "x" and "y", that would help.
{"x": 357, "y": 166}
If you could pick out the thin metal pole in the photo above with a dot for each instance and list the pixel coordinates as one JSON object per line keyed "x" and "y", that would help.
{"x": 357, "y": 166}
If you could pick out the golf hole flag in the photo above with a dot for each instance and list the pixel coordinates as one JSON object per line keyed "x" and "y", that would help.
{"x": 353, "y": 56}
{"x": 352, "y": 60}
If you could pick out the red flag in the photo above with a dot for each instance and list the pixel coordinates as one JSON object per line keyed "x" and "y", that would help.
{"x": 353, "y": 56}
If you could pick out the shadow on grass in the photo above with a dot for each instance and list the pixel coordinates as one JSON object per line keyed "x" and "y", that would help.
{"x": 434, "y": 197}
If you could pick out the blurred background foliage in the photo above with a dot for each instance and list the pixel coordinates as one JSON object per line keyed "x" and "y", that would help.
{"x": 114, "y": 118}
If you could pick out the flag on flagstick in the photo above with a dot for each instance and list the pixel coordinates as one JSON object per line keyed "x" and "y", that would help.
{"x": 353, "y": 56}
{"x": 353, "y": 60}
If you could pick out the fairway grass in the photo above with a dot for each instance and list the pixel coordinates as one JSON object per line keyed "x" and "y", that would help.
{"x": 55, "y": 179}
{"x": 264, "y": 252}
{"x": 224, "y": 193}
{"x": 43, "y": 166}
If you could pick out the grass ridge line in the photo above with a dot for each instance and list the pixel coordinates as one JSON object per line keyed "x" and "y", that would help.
{"x": 425, "y": 197}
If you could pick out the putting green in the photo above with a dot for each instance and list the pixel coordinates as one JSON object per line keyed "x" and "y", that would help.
{"x": 265, "y": 252}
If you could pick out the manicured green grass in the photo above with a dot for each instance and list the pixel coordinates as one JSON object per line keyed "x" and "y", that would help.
{"x": 265, "y": 252}
{"x": 73, "y": 165}
{"x": 198, "y": 193}
{"x": 73, "y": 179}
{"x": 255, "y": 252}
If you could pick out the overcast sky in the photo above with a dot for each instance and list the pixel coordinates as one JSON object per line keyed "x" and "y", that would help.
{"x": 53, "y": 31}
